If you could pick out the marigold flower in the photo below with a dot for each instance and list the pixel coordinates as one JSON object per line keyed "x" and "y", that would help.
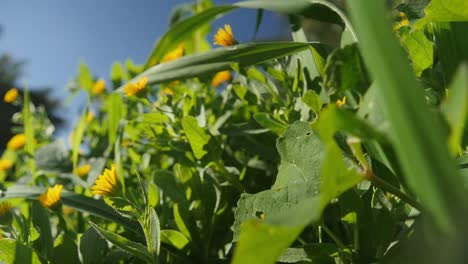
{"x": 174, "y": 54}
{"x": 11, "y": 95}
{"x": 220, "y": 77}
{"x": 16, "y": 142}
{"x": 107, "y": 183}
{"x": 51, "y": 198}
{"x": 83, "y": 170}
{"x": 132, "y": 89}
{"x": 5, "y": 164}
{"x": 224, "y": 37}
{"x": 341, "y": 102}
{"x": 99, "y": 86}
{"x": 5, "y": 213}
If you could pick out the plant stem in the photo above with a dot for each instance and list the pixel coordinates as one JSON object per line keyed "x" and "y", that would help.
{"x": 382, "y": 184}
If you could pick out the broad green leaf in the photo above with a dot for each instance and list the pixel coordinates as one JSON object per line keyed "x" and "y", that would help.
{"x": 73, "y": 200}
{"x": 133, "y": 248}
{"x": 263, "y": 243}
{"x": 206, "y": 63}
{"x": 267, "y": 121}
{"x": 85, "y": 78}
{"x": 316, "y": 9}
{"x": 445, "y": 11}
{"x": 92, "y": 247}
{"x": 424, "y": 156}
{"x": 12, "y": 251}
{"x": 174, "y": 238}
{"x": 196, "y": 135}
{"x": 455, "y": 109}
{"x": 420, "y": 50}
{"x": 183, "y": 30}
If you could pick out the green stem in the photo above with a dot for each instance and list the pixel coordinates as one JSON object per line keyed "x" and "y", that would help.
{"x": 382, "y": 184}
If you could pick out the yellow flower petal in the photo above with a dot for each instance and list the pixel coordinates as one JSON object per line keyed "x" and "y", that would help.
{"x": 220, "y": 77}
{"x": 98, "y": 87}
{"x": 51, "y": 198}
{"x": 83, "y": 170}
{"x": 341, "y": 102}
{"x": 107, "y": 183}
{"x": 11, "y": 95}
{"x": 16, "y": 142}
{"x": 224, "y": 37}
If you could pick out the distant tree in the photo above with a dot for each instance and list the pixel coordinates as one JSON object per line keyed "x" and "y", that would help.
{"x": 10, "y": 72}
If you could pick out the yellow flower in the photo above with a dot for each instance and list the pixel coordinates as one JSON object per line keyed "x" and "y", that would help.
{"x": 5, "y": 164}
{"x": 89, "y": 117}
{"x": 341, "y": 102}
{"x": 220, "y": 77}
{"x": 11, "y": 95}
{"x": 5, "y": 207}
{"x": 51, "y": 198}
{"x": 83, "y": 170}
{"x": 404, "y": 22}
{"x": 99, "y": 86}
{"x": 167, "y": 91}
{"x": 132, "y": 89}
{"x": 16, "y": 142}
{"x": 107, "y": 183}
{"x": 5, "y": 213}
{"x": 224, "y": 37}
{"x": 174, "y": 54}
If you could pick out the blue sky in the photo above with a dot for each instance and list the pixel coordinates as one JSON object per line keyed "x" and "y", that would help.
{"x": 52, "y": 36}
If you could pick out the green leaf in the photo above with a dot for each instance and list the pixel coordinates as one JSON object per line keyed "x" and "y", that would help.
{"x": 12, "y": 251}
{"x": 263, "y": 243}
{"x": 115, "y": 110}
{"x": 117, "y": 74}
{"x": 206, "y": 63}
{"x": 78, "y": 134}
{"x": 445, "y": 11}
{"x": 29, "y": 130}
{"x": 267, "y": 121}
{"x": 196, "y": 135}
{"x": 153, "y": 234}
{"x": 40, "y": 219}
{"x": 92, "y": 247}
{"x": 345, "y": 70}
{"x": 424, "y": 156}
{"x": 455, "y": 108}
{"x": 133, "y": 248}
{"x": 73, "y": 200}
{"x": 313, "y": 101}
{"x": 174, "y": 238}
{"x": 85, "y": 78}
{"x": 183, "y": 30}
{"x": 65, "y": 250}
{"x": 420, "y": 50}
{"x": 315, "y": 9}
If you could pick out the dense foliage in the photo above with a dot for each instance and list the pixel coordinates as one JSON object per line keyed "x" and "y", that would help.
{"x": 293, "y": 152}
